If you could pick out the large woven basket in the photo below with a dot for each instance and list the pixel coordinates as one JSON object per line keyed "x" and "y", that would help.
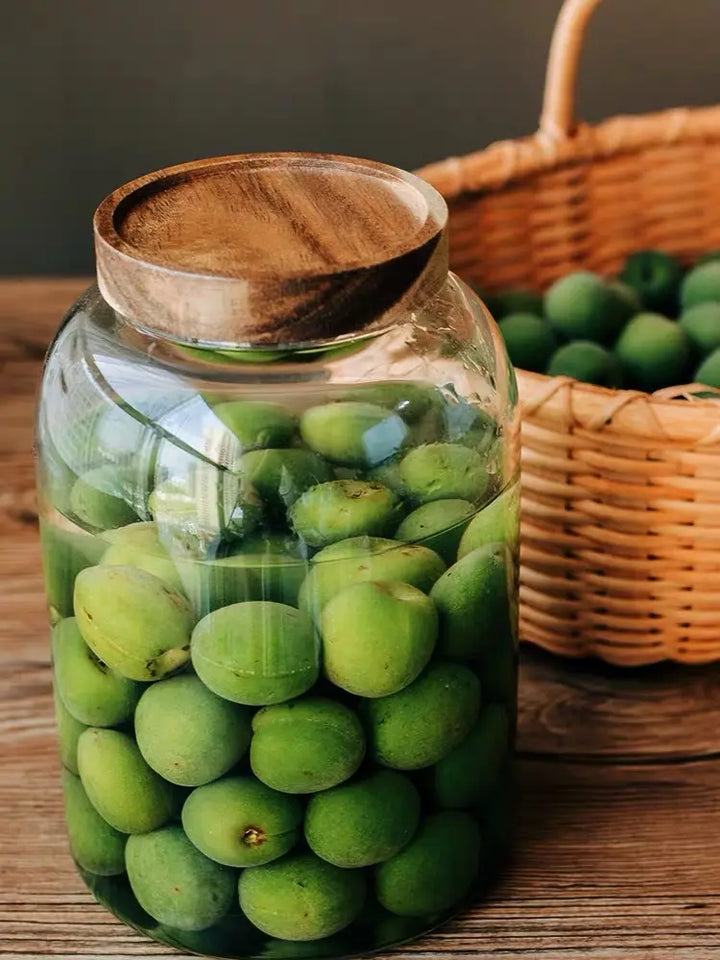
{"x": 620, "y": 553}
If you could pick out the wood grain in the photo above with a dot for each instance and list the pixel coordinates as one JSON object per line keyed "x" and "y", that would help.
{"x": 618, "y": 847}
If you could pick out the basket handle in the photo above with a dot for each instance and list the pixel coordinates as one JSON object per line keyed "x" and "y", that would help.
{"x": 557, "y": 121}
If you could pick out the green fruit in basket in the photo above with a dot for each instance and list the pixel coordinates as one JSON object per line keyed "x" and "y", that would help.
{"x": 353, "y": 433}
{"x": 702, "y": 326}
{"x": 175, "y": 883}
{"x": 138, "y": 545}
{"x": 584, "y": 306}
{"x": 93, "y": 693}
{"x": 444, "y": 471}
{"x": 586, "y": 361}
{"x": 241, "y": 822}
{"x": 257, "y": 424}
{"x": 277, "y": 659}
{"x": 435, "y": 870}
{"x": 344, "y": 508}
{"x": 120, "y": 785}
{"x": 365, "y": 821}
{"x": 701, "y": 285}
{"x": 133, "y": 621}
{"x": 68, "y": 733}
{"x": 301, "y": 897}
{"x": 469, "y": 774}
{"x": 187, "y": 734}
{"x": 281, "y": 476}
{"x": 94, "y": 844}
{"x": 656, "y": 277}
{"x": 439, "y": 525}
{"x": 101, "y": 498}
{"x": 654, "y": 352}
{"x": 709, "y": 370}
{"x": 503, "y": 304}
{"x": 530, "y": 340}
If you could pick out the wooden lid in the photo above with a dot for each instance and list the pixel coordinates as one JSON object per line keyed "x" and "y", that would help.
{"x": 281, "y": 248}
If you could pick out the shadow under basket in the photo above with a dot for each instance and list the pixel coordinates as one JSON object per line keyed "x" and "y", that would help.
{"x": 620, "y": 555}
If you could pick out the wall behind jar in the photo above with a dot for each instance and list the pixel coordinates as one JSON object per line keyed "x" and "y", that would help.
{"x": 95, "y": 92}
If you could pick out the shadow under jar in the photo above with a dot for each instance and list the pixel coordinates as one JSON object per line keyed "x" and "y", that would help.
{"x": 277, "y": 471}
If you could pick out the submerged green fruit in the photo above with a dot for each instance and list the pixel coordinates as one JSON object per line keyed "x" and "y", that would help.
{"x": 529, "y": 340}
{"x": 307, "y": 745}
{"x": 586, "y": 361}
{"x": 257, "y": 424}
{"x": 120, "y": 785}
{"x": 187, "y": 734}
{"x": 175, "y": 883}
{"x": 64, "y": 554}
{"x": 133, "y": 621}
{"x": 654, "y": 352}
{"x": 277, "y": 659}
{"x": 444, "y": 471}
{"x": 439, "y": 525}
{"x": 497, "y": 522}
{"x": 94, "y": 844}
{"x": 470, "y": 773}
{"x": 138, "y": 545}
{"x": 68, "y": 732}
{"x": 93, "y": 693}
{"x": 344, "y": 508}
{"x": 281, "y": 476}
{"x": 364, "y": 822}
{"x": 241, "y": 822}
{"x": 301, "y": 897}
{"x": 354, "y": 433}
{"x": 101, "y": 498}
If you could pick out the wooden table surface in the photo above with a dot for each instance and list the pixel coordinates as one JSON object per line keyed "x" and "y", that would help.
{"x": 618, "y": 840}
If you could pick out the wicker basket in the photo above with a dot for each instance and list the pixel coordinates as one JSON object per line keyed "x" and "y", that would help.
{"x": 620, "y": 550}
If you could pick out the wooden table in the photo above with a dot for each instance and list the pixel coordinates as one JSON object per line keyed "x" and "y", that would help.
{"x": 619, "y": 825}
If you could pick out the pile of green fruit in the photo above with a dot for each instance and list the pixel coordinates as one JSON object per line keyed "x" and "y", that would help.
{"x": 654, "y": 326}
{"x": 314, "y": 725}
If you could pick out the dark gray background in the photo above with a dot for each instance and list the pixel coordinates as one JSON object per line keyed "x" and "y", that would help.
{"x": 95, "y": 92}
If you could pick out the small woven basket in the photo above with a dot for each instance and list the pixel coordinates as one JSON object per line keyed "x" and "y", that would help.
{"x": 620, "y": 553}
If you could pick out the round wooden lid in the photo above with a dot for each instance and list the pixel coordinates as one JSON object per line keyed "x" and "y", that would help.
{"x": 281, "y": 248}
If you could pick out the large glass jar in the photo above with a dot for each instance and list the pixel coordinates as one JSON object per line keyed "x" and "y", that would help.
{"x": 277, "y": 475}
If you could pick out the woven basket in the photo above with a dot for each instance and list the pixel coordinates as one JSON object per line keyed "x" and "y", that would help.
{"x": 620, "y": 553}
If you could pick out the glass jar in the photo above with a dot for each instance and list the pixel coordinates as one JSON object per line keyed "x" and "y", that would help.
{"x": 278, "y": 487}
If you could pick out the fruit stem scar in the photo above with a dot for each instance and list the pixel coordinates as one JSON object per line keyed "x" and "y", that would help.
{"x": 253, "y": 837}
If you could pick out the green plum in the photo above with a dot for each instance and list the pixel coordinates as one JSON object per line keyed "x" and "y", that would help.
{"x": 68, "y": 732}
{"x": 655, "y": 277}
{"x": 277, "y": 659}
{"x": 133, "y": 621}
{"x": 363, "y": 822}
{"x": 388, "y": 474}
{"x": 436, "y": 869}
{"x": 583, "y": 306}
{"x": 187, "y": 734}
{"x": 64, "y": 554}
{"x": 354, "y": 433}
{"x": 701, "y": 323}
{"x": 444, "y": 471}
{"x": 709, "y": 370}
{"x": 306, "y": 745}
{"x": 175, "y": 883}
{"x": 586, "y": 361}
{"x": 102, "y": 498}
{"x": 139, "y": 545}
{"x": 467, "y": 775}
{"x": 93, "y": 693}
{"x": 340, "y": 509}
{"x": 257, "y": 424}
{"x": 120, "y": 785}
{"x": 94, "y": 844}
{"x": 654, "y": 352}
{"x": 241, "y": 822}
{"x": 439, "y": 525}
{"x": 377, "y": 637}
{"x": 281, "y": 476}
{"x": 301, "y": 897}
{"x": 410, "y": 400}
{"x": 530, "y": 341}
{"x": 701, "y": 285}
{"x": 422, "y": 723}
{"x": 497, "y": 522}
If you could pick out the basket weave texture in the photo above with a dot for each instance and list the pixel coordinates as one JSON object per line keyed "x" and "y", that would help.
{"x": 620, "y": 554}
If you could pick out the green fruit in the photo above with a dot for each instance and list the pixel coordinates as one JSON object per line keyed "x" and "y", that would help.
{"x": 277, "y": 659}
{"x": 306, "y": 745}
{"x": 444, "y": 471}
{"x": 241, "y": 822}
{"x": 583, "y": 306}
{"x": 133, "y": 621}
{"x": 301, "y": 897}
{"x": 710, "y": 257}
{"x": 343, "y": 508}
{"x": 467, "y": 424}
{"x": 473, "y": 602}
{"x": 411, "y": 401}
{"x": 702, "y": 326}
{"x": 280, "y": 476}
{"x": 257, "y": 424}
{"x": 628, "y": 295}
{"x": 439, "y": 525}
{"x": 187, "y": 734}
{"x": 588, "y": 362}
{"x": 366, "y": 558}
{"x": 468, "y": 774}
{"x": 701, "y": 285}
{"x": 530, "y": 341}
{"x": 120, "y": 785}
{"x": 503, "y": 304}
{"x": 362, "y": 823}
{"x": 422, "y": 723}
{"x": 388, "y": 474}
{"x": 498, "y": 522}
{"x": 68, "y": 732}
{"x": 92, "y": 692}
{"x": 102, "y": 497}
{"x": 138, "y": 545}
{"x": 435, "y": 871}
{"x": 175, "y": 883}
{"x": 655, "y": 277}
{"x": 94, "y": 844}
{"x": 355, "y": 626}
{"x": 64, "y": 555}
{"x": 654, "y": 352}
{"x": 709, "y": 370}
{"x": 359, "y": 434}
